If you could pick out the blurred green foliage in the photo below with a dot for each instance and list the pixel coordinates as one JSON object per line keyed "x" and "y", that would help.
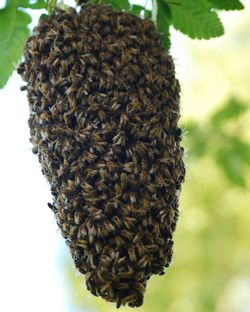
{"x": 220, "y": 137}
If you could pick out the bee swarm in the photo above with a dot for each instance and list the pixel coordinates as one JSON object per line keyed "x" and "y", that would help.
{"x": 104, "y": 107}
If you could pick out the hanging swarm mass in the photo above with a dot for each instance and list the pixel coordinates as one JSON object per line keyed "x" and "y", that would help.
{"x": 104, "y": 107}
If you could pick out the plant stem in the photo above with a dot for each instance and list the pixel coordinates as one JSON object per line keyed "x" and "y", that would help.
{"x": 51, "y": 4}
{"x": 154, "y": 11}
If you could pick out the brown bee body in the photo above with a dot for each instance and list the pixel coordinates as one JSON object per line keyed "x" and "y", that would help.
{"x": 104, "y": 105}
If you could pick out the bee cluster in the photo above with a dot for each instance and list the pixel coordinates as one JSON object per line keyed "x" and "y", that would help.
{"x": 104, "y": 107}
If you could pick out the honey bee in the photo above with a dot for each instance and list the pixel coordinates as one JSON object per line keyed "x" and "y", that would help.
{"x": 130, "y": 224}
{"x": 73, "y": 232}
{"x": 127, "y": 234}
{"x": 78, "y": 218}
{"x": 52, "y": 207}
{"x": 66, "y": 228}
{"x": 132, "y": 255}
{"x": 21, "y": 68}
{"x": 149, "y": 92}
{"x": 136, "y": 106}
{"x": 116, "y": 220}
{"x": 101, "y": 115}
{"x": 132, "y": 197}
{"x": 126, "y": 274}
{"x": 91, "y": 260}
{"x": 132, "y": 299}
{"x": 140, "y": 287}
{"x": 91, "y": 288}
{"x": 107, "y": 288}
{"x": 122, "y": 286}
{"x": 152, "y": 248}
{"x": 23, "y": 88}
{"x": 161, "y": 254}
{"x": 111, "y": 277}
{"x": 91, "y": 72}
{"x": 143, "y": 262}
{"x": 124, "y": 180}
{"x": 117, "y": 63}
{"x": 105, "y": 55}
{"x": 118, "y": 302}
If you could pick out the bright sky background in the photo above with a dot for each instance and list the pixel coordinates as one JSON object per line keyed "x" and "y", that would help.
{"x": 31, "y": 278}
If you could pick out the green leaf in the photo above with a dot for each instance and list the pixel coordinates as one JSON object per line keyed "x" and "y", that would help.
{"x": 233, "y": 157}
{"x": 227, "y": 4}
{"x": 13, "y": 33}
{"x": 197, "y": 139}
{"x": 137, "y": 9}
{"x": 147, "y": 13}
{"x": 43, "y": 17}
{"x": 31, "y": 4}
{"x": 232, "y": 109}
{"x": 163, "y": 22}
{"x": 195, "y": 18}
{"x": 119, "y": 4}
{"x": 232, "y": 166}
{"x": 242, "y": 148}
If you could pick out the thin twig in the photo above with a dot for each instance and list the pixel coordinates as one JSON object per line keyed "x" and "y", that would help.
{"x": 154, "y": 11}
